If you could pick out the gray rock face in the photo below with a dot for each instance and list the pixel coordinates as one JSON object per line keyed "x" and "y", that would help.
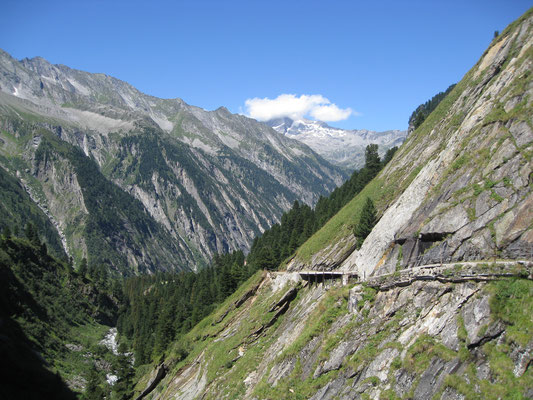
{"x": 433, "y": 377}
{"x": 414, "y": 341}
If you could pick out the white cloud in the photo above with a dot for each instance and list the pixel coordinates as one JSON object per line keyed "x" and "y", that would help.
{"x": 330, "y": 112}
{"x": 296, "y": 107}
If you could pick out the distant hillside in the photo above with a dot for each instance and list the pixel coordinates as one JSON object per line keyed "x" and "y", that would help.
{"x": 200, "y": 182}
{"x": 17, "y": 209}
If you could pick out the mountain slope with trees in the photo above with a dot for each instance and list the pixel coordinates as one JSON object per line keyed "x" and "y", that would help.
{"x": 440, "y": 299}
{"x": 47, "y": 314}
{"x": 17, "y": 210}
{"x": 161, "y": 308}
{"x": 423, "y": 110}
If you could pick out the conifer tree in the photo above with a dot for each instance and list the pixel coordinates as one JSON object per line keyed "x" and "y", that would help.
{"x": 123, "y": 388}
{"x": 7, "y": 232}
{"x": 164, "y": 329}
{"x": 237, "y": 274}
{"x": 32, "y": 235}
{"x": 367, "y": 220}
{"x": 266, "y": 259}
{"x": 83, "y": 267}
{"x": 43, "y": 249}
{"x": 389, "y": 155}
{"x": 372, "y": 161}
{"x": 93, "y": 391}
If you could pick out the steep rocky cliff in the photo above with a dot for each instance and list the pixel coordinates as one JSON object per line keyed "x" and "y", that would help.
{"x": 437, "y": 302}
{"x": 206, "y": 178}
{"x": 460, "y": 187}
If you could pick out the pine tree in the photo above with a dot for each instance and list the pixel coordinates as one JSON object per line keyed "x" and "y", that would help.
{"x": 164, "y": 328}
{"x": 7, "y": 232}
{"x": 93, "y": 391}
{"x": 226, "y": 283}
{"x": 367, "y": 220}
{"x": 31, "y": 234}
{"x": 372, "y": 161}
{"x": 43, "y": 249}
{"x": 123, "y": 388}
{"x": 266, "y": 259}
{"x": 83, "y": 267}
{"x": 237, "y": 273}
{"x": 389, "y": 155}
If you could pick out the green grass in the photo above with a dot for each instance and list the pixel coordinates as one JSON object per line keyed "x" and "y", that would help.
{"x": 461, "y": 330}
{"x": 503, "y": 386}
{"x": 89, "y": 334}
{"x": 340, "y": 225}
{"x": 369, "y": 295}
{"x": 496, "y": 197}
{"x": 220, "y": 355}
{"x": 374, "y": 344}
{"x": 471, "y": 212}
{"x": 422, "y": 352}
{"x": 76, "y": 363}
{"x": 512, "y": 302}
{"x": 293, "y": 387}
{"x": 332, "y": 306}
{"x": 460, "y": 162}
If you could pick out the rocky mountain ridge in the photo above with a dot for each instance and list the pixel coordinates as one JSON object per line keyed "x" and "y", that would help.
{"x": 342, "y": 147}
{"x": 204, "y": 177}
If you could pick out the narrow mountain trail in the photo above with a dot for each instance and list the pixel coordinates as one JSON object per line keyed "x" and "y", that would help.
{"x": 477, "y": 270}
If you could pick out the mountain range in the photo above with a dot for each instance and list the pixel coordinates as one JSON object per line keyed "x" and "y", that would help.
{"x": 342, "y": 147}
{"x": 142, "y": 183}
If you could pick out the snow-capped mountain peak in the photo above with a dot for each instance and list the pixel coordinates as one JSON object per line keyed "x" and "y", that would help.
{"x": 343, "y": 147}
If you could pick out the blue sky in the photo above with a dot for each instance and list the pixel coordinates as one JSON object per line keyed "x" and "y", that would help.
{"x": 371, "y": 63}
